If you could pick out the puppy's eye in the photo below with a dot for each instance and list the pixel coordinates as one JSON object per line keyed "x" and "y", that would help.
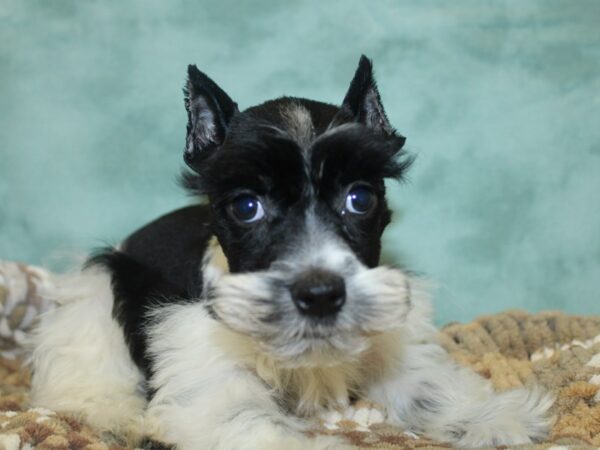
{"x": 247, "y": 208}
{"x": 360, "y": 200}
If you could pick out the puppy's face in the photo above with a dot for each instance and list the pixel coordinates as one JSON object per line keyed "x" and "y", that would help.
{"x": 298, "y": 200}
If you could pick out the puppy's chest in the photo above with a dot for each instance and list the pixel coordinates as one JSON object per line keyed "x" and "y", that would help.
{"x": 307, "y": 391}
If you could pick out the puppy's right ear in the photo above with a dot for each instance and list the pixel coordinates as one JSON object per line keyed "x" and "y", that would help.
{"x": 209, "y": 111}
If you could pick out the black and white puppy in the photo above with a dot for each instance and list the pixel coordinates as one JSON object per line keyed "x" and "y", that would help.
{"x": 236, "y": 323}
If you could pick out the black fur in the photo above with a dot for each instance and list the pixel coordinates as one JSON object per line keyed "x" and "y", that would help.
{"x": 297, "y": 156}
{"x": 363, "y": 103}
{"x": 151, "y": 444}
{"x": 204, "y": 100}
{"x": 158, "y": 264}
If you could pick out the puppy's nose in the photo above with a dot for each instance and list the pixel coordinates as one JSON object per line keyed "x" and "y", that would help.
{"x": 319, "y": 293}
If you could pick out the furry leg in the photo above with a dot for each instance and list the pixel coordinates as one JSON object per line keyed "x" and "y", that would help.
{"x": 427, "y": 392}
{"x": 206, "y": 398}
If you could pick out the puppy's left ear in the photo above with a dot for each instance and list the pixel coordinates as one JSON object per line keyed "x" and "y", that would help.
{"x": 209, "y": 111}
{"x": 362, "y": 102}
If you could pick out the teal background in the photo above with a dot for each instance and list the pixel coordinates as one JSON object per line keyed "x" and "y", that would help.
{"x": 500, "y": 101}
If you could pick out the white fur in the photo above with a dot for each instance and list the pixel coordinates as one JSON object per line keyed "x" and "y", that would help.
{"x": 220, "y": 385}
{"x": 80, "y": 361}
{"x": 300, "y": 125}
{"x": 376, "y": 300}
{"x": 209, "y": 389}
{"x": 204, "y": 132}
{"x": 428, "y": 393}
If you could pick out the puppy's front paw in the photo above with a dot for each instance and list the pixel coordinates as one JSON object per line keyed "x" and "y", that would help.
{"x": 513, "y": 417}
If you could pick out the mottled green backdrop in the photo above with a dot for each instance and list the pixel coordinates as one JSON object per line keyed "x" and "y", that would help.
{"x": 500, "y": 100}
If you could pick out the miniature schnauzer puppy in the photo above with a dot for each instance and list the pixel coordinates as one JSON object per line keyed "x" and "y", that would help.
{"x": 236, "y": 323}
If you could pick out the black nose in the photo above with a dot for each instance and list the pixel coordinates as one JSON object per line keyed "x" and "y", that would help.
{"x": 319, "y": 293}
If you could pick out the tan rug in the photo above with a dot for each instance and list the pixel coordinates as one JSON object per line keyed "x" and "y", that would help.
{"x": 559, "y": 352}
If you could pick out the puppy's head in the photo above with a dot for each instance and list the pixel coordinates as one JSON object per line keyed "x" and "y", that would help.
{"x": 296, "y": 189}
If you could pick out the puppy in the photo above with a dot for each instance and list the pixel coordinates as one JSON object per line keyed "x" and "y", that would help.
{"x": 234, "y": 324}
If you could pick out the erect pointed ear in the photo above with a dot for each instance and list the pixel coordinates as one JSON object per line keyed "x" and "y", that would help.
{"x": 362, "y": 102}
{"x": 209, "y": 111}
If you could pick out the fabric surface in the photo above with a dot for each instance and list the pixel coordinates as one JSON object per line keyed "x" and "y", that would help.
{"x": 499, "y": 100}
{"x": 25, "y": 293}
{"x": 554, "y": 350}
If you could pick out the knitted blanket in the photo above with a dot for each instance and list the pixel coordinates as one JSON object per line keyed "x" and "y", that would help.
{"x": 557, "y": 351}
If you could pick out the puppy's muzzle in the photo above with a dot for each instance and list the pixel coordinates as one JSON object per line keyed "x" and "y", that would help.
{"x": 319, "y": 293}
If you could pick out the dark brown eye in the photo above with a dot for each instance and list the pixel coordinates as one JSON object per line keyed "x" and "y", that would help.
{"x": 360, "y": 200}
{"x": 247, "y": 208}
